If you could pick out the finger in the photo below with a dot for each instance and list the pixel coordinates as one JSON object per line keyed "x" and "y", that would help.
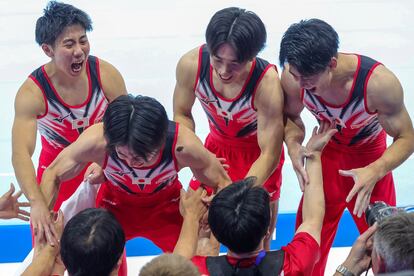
{"x": 358, "y": 203}
{"x": 364, "y": 204}
{"x": 349, "y": 173}
{"x": 23, "y": 204}
{"x": 314, "y": 131}
{"x": 23, "y": 218}
{"x": 23, "y": 212}
{"x": 19, "y": 193}
{"x": 10, "y": 191}
{"x": 352, "y": 194}
{"x": 369, "y": 232}
{"x": 50, "y": 236}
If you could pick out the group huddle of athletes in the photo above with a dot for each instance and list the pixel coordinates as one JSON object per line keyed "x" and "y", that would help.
{"x": 92, "y": 129}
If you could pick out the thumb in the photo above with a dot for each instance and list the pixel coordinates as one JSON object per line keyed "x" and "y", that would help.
{"x": 11, "y": 190}
{"x": 349, "y": 173}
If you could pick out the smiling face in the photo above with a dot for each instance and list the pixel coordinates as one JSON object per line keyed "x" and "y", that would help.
{"x": 70, "y": 50}
{"x": 226, "y": 65}
{"x": 128, "y": 156}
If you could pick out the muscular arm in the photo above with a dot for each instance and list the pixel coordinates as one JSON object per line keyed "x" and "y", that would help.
{"x": 89, "y": 147}
{"x": 294, "y": 127}
{"x": 269, "y": 105}
{"x": 184, "y": 97}
{"x": 191, "y": 153}
{"x": 386, "y": 95}
{"x": 112, "y": 82}
{"x": 28, "y": 105}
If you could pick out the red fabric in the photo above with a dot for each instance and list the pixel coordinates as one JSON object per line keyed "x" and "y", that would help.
{"x": 240, "y": 157}
{"x": 300, "y": 256}
{"x": 155, "y": 217}
{"x": 336, "y": 189}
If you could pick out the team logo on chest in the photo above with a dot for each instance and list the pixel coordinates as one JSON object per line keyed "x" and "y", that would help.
{"x": 141, "y": 180}
{"x": 80, "y": 123}
{"x": 224, "y": 113}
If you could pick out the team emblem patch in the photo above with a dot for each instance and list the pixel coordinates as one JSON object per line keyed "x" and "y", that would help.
{"x": 80, "y": 123}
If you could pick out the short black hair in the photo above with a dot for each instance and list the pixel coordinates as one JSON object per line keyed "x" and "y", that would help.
{"x": 57, "y": 16}
{"x": 92, "y": 243}
{"x": 242, "y": 29}
{"x": 308, "y": 46}
{"x": 239, "y": 215}
{"x": 139, "y": 122}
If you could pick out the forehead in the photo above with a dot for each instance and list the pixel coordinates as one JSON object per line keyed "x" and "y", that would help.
{"x": 72, "y": 32}
{"x": 226, "y": 52}
{"x": 295, "y": 73}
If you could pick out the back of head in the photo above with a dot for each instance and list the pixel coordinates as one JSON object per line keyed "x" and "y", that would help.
{"x": 139, "y": 122}
{"x": 57, "y": 16}
{"x": 394, "y": 242}
{"x": 239, "y": 216}
{"x": 92, "y": 243}
{"x": 242, "y": 29}
{"x": 309, "y": 46}
{"x": 169, "y": 265}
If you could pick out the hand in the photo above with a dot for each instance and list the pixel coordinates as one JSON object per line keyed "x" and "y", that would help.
{"x": 94, "y": 174}
{"x": 191, "y": 203}
{"x": 42, "y": 223}
{"x": 320, "y": 137}
{"x": 364, "y": 182}
{"x": 297, "y": 155}
{"x": 359, "y": 257}
{"x": 40, "y": 240}
{"x": 223, "y": 163}
{"x": 10, "y": 206}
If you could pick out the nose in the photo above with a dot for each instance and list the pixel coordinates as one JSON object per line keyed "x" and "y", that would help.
{"x": 77, "y": 51}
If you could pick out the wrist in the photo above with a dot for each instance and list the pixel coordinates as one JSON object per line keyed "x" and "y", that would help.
{"x": 343, "y": 269}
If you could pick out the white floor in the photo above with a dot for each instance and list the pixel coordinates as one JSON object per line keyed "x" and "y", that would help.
{"x": 336, "y": 257}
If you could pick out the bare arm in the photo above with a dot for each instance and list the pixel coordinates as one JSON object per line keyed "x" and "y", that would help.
{"x": 112, "y": 81}
{"x": 184, "y": 97}
{"x": 385, "y": 95}
{"x": 313, "y": 209}
{"x": 294, "y": 127}
{"x": 191, "y": 153}
{"x": 28, "y": 105}
{"x": 89, "y": 147}
{"x": 269, "y": 105}
{"x": 192, "y": 209}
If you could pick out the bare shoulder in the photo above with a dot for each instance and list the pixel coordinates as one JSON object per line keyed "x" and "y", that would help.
{"x": 112, "y": 81}
{"x": 29, "y": 99}
{"x": 290, "y": 86}
{"x": 187, "y": 66}
{"x": 384, "y": 90}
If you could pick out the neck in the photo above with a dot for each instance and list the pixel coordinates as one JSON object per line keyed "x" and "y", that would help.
{"x": 245, "y": 255}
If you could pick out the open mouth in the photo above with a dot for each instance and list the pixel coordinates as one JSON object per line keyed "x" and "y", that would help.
{"x": 225, "y": 79}
{"x": 77, "y": 66}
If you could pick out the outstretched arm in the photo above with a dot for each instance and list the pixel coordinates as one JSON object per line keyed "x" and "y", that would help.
{"x": 191, "y": 153}
{"x": 192, "y": 209}
{"x": 294, "y": 127}
{"x": 184, "y": 97}
{"x": 313, "y": 209}
{"x": 89, "y": 147}
{"x": 269, "y": 105}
